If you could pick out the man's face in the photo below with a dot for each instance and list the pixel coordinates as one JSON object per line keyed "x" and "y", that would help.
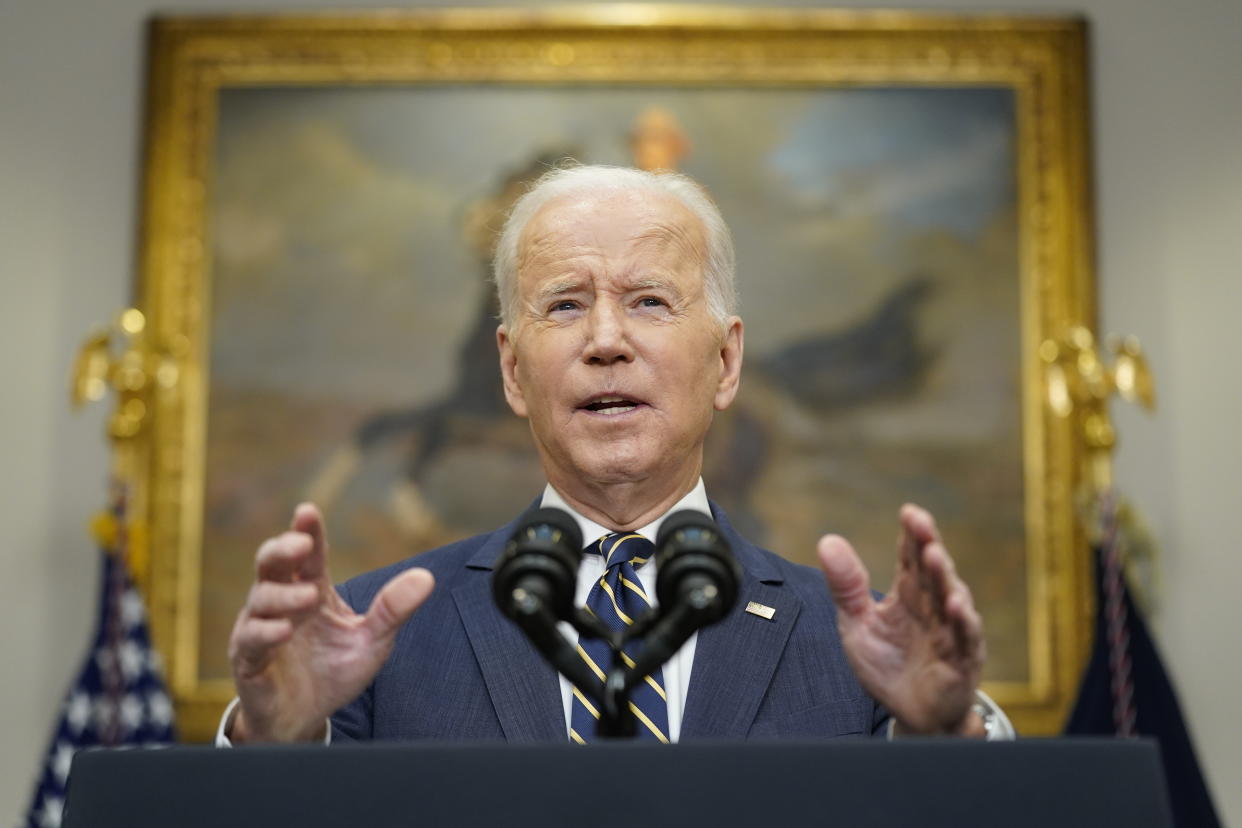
{"x": 612, "y": 352}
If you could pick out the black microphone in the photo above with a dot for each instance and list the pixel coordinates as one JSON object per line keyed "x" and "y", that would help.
{"x": 538, "y": 569}
{"x": 696, "y": 584}
{"x": 533, "y": 585}
{"x": 695, "y": 568}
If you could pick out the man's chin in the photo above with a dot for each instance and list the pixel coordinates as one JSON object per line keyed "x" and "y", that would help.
{"x": 615, "y": 466}
{"x": 615, "y": 472}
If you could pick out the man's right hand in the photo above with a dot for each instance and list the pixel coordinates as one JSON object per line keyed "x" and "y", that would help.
{"x": 298, "y": 651}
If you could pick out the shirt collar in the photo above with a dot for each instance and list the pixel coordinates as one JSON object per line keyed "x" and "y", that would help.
{"x": 695, "y": 499}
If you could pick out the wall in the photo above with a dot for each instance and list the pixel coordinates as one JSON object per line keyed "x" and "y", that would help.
{"x": 1168, "y": 150}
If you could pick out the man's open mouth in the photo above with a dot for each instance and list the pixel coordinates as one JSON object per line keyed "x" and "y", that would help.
{"x": 610, "y": 405}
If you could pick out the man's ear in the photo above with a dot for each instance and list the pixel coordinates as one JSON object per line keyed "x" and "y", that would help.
{"x": 731, "y": 347}
{"x": 509, "y": 372}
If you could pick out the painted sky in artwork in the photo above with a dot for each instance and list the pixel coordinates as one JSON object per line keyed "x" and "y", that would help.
{"x": 361, "y": 193}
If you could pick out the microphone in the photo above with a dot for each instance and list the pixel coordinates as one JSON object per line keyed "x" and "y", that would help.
{"x": 538, "y": 569}
{"x": 696, "y": 569}
{"x": 696, "y": 585}
{"x": 534, "y": 582}
{"x": 533, "y": 585}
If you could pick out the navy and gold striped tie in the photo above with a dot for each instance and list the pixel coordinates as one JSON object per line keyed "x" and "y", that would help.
{"x": 618, "y": 598}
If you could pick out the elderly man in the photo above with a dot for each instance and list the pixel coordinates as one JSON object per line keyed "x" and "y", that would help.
{"x": 618, "y": 341}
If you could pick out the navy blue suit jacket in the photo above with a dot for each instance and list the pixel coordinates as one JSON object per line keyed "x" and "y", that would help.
{"x": 461, "y": 670}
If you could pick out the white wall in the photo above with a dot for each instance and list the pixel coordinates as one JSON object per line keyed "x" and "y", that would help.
{"x": 1168, "y": 160}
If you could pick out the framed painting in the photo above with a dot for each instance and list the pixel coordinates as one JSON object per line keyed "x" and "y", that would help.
{"x": 909, "y": 200}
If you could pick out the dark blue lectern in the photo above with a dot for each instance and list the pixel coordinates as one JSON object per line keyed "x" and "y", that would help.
{"x": 916, "y": 782}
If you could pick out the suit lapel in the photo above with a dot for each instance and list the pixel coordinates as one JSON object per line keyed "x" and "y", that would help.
{"x": 734, "y": 659}
{"x": 524, "y": 689}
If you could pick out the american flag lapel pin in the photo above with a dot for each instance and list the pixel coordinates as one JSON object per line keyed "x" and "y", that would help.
{"x": 761, "y": 610}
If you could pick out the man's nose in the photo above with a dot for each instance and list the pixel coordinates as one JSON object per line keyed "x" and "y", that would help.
{"x": 608, "y": 339}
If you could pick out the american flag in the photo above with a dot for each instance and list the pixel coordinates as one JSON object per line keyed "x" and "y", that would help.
{"x": 118, "y": 698}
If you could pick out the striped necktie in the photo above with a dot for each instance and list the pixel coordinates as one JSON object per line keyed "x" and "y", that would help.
{"x": 618, "y": 598}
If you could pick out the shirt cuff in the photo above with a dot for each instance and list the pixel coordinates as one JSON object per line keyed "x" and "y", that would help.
{"x": 226, "y": 724}
{"x": 995, "y": 723}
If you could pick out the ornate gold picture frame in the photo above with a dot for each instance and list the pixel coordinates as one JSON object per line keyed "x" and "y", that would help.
{"x": 224, "y": 90}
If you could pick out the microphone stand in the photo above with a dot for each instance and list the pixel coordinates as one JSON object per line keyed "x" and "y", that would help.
{"x": 532, "y": 615}
{"x": 612, "y": 698}
{"x": 666, "y": 632}
{"x": 533, "y": 585}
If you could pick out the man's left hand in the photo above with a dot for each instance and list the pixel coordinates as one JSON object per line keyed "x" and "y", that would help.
{"x": 920, "y": 649}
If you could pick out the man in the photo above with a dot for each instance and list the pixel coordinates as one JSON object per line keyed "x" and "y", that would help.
{"x": 618, "y": 341}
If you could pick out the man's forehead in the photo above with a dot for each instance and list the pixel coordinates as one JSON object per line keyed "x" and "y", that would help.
{"x": 628, "y": 218}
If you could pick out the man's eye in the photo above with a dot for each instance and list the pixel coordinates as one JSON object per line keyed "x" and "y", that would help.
{"x": 566, "y": 305}
{"x": 651, "y": 302}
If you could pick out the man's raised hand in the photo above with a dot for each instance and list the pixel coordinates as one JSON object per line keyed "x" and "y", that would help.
{"x": 920, "y": 650}
{"x": 298, "y": 651}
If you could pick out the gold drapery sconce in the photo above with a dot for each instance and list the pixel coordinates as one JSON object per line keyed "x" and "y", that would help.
{"x": 1080, "y": 386}
{"x": 122, "y": 358}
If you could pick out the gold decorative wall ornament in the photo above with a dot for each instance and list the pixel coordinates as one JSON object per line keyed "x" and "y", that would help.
{"x": 122, "y": 359}
{"x": 194, "y": 62}
{"x": 1081, "y": 385}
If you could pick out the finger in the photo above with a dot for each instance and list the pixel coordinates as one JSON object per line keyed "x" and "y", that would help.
{"x": 965, "y": 621}
{"x": 960, "y": 599}
{"x": 940, "y": 577}
{"x": 968, "y": 635}
{"x": 280, "y": 558}
{"x": 253, "y": 641}
{"x": 398, "y": 600}
{"x": 919, "y": 523}
{"x": 957, "y": 607}
{"x": 913, "y": 583}
{"x": 269, "y": 599}
{"x": 847, "y": 578}
{"x": 309, "y": 520}
{"x": 917, "y": 529}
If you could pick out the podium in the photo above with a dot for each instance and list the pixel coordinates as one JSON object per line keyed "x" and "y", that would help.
{"x": 865, "y": 782}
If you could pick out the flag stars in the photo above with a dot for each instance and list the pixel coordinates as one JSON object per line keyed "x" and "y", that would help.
{"x": 62, "y": 758}
{"x": 131, "y": 712}
{"x": 161, "y": 709}
{"x": 78, "y": 711}
{"x": 132, "y": 658}
{"x": 52, "y": 811}
{"x": 132, "y": 611}
{"x": 155, "y": 664}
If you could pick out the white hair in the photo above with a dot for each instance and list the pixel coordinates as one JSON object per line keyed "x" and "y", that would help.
{"x": 718, "y": 270}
